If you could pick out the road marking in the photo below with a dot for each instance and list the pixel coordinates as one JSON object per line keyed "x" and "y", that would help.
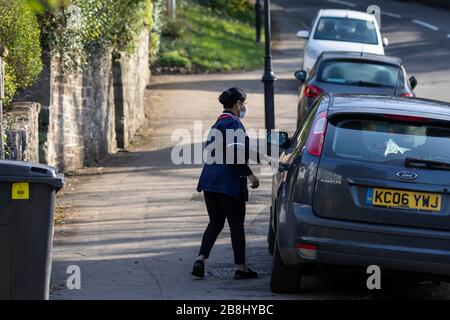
{"x": 426, "y": 25}
{"x": 345, "y": 3}
{"x": 390, "y": 14}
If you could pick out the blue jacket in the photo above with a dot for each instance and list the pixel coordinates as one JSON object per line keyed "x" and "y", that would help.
{"x": 229, "y": 179}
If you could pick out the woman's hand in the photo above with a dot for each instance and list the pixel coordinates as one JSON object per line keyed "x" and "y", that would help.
{"x": 254, "y": 181}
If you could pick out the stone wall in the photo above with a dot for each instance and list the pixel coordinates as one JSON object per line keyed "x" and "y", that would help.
{"x": 81, "y": 128}
{"x": 131, "y": 76}
{"x": 22, "y": 131}
{"x": 86, "y": 115}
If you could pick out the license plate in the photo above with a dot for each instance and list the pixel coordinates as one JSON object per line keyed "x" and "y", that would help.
{"x": 404, "y": 199}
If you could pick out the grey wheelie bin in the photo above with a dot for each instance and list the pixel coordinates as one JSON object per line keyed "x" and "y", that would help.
{"x": 27, "y": 209}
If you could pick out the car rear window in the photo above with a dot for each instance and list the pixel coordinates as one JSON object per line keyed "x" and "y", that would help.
{"x": 345, "y": 29}
{"x": 386, "y": 141}
{"x": 366, "y": 74}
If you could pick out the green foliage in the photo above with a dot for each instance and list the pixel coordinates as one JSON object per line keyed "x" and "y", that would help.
{"x": 155, "y": 25}
{"x": 175, "y": 28}
{"x": 91, "y": 26}
{"x": 174, "y": 59}
{"x": 42, "y": 6}
{"x": 19, "y": 32}
{"x": 240, "y": 9}
{"x": 210, "y": 42}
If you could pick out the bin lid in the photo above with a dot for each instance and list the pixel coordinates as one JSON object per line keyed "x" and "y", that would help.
{"x": 18, "y": 171}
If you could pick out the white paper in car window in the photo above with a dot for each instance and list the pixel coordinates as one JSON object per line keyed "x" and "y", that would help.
{"x": 393, "y": 148}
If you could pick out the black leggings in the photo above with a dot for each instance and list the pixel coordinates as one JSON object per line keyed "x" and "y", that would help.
{"x": 221, "y": 207}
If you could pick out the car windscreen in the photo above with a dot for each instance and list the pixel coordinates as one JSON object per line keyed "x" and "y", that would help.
{"x": 386, "y": 141}
{"x": 360, "y": 73}
{"x": 345, "y": 29}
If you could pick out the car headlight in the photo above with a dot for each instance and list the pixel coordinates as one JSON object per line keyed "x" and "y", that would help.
{"x": 312, "y": 53}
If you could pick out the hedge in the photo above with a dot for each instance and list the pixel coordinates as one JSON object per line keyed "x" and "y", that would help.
{"x": 20, "y": 34}
{"x": 99, "y": 24}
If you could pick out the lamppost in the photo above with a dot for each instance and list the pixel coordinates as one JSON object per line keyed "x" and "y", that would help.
{"x": 3, "y": 54}
{"x": 171, "y": 8}
{"x": 258, "y": 20}
{"x": 269, "y": 77}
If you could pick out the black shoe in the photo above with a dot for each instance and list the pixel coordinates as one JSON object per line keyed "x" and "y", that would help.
{"x": 198, "y": 272}
{"x": 249, "y": 274}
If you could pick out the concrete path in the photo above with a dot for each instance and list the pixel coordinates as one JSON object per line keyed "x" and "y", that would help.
{"x": 135, "y": 229}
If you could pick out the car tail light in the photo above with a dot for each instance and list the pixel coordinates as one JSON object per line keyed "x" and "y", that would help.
{"x": 407, "y": 94}
{"x": 405, "y": 118}
{"x": 308, "y": 251}
{"x": 312, "y": 91}
{"x": 316, "y": 138}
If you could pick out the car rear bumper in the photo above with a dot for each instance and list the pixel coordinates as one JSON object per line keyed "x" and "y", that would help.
{"x": 360, "y": 244}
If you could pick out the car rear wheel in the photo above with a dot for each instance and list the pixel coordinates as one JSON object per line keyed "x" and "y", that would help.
{"x": 284, "y": 279}
{"x": 271, "y": 238}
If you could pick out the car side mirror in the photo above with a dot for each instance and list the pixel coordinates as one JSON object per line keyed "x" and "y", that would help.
{"x": 413, "y": 82}
{"x": 385, "y": 42}
{"x": 301, "y": 75}
{"x": 303, "y": 34}
{"x": 278, "y": 138}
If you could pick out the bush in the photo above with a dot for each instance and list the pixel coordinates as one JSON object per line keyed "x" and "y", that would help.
{"x": 20, "y": 33}
{"x": 174, "y": 59}
{"x": 174, "y": 28}
{"x": 99, "y": 25}
{"x": 154, "y": 24}
{"x": 241, "y": 9}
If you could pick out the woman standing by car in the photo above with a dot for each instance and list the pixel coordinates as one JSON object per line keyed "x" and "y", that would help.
{"x": 224, "y": 186}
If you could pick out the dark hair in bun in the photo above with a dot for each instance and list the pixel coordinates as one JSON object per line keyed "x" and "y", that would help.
{"x": 229, "y": 98}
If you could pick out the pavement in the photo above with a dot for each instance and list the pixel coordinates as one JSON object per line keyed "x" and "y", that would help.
{"x": 134, "y": 225}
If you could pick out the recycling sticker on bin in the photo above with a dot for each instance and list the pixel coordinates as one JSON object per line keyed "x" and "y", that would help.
{"x": 20, "y": 191}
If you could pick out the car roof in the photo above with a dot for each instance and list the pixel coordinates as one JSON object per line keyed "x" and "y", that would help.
{"x": 331, "y": 55}
{"x": 379, "y": 104}
{"x": 352, "y": 14}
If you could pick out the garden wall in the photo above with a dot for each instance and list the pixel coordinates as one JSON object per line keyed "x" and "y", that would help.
{"x": 81, "y": 127}
{"x": 86, "y": 115}
{"x": 22, "y": 132}
{"x": 131, "y": 77}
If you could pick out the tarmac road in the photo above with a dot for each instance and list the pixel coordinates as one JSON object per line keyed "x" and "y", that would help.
{"x": 134, "y": 229}
{"x": 418, "y": 34}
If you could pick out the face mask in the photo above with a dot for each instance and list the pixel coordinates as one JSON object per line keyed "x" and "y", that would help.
{"x": 243, "y": 113}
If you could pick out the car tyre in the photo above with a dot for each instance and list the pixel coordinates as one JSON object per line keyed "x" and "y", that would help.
{"x": 271, "y": 238}
{"x": 284, "y": 279}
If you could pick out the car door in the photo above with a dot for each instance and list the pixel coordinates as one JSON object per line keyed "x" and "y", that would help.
{"x": 290, "y": 157}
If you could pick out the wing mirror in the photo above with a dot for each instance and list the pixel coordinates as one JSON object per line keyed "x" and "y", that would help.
{"x": 303, "y": 34}
{"x": 385, "y": 42}
{"x": 278, "y": 138}
{"x": 413, "y": 82}
{"x": 301, "y": 75}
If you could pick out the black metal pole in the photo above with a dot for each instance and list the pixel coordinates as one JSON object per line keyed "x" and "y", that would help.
{"x": 258, "y": 20}
{"x": 269, "y": 77}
